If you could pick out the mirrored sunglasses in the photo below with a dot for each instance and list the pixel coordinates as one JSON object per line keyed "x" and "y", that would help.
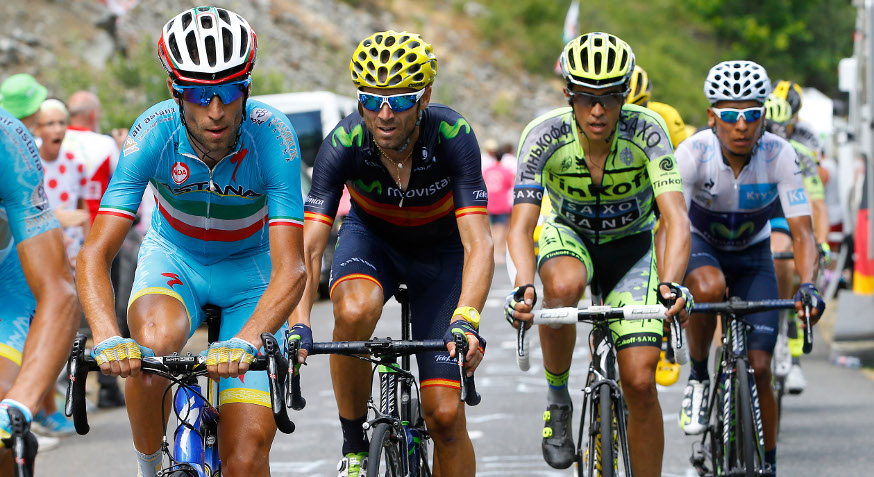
{"x": 397, "y": 102}
{"x": 203, "y": 94}
{"x": 607, "y": 101}
{"x": 731, "y": 115}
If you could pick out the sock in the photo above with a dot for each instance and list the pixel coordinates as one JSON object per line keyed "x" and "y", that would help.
{"x": 354, "y": 439}
{"x": 558, "y": 392}
{"x": 771, "y": 458}
{"x": 699, "y": 370}
{"x": 148, "y": 465}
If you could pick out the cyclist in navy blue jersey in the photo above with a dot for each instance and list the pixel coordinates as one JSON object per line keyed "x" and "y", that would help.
{"x": 419, "y": 217}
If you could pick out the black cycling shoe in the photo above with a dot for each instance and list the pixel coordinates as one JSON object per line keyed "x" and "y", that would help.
{"x": 558, "y": 444}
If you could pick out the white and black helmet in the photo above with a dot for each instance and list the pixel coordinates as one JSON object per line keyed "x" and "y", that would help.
{"x": 208, "y": 45}
{"x": 737, "y": 81}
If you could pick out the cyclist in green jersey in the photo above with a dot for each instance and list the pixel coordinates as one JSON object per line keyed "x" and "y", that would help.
{"x": 604, "y": 165}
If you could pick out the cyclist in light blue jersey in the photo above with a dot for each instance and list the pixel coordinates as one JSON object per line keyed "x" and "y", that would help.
{"x": 39, "y": 312}
{"x": 225, "y": 172}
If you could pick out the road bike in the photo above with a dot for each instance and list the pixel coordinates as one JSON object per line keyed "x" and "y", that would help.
{"x": 604, "y": 428}
{"x": 398, "y": 436}
{"x": 195, "y": 438}
{"x": 733, "y": 442}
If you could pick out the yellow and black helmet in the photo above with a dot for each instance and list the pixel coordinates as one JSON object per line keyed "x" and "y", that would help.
{"x": 791, "y": 92}
{"x": 597, "y": 60}
{"x": 639, "y": 88}
{"x": 389, "y": 59}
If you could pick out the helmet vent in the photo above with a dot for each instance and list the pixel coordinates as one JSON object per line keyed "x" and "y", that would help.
{"x": 382, "y": 73}
{"x": 598, "y": 57}
{"x": 223, "y": 14}
{"x": 244, "y": 41}
{"x": 419, "y": 77}
{"x": 390, "y": 41}
{"x": 411, "y": 57}
{"x": 384, "y": 56}
{"x": 170, "y": 24}
{"x": 398, "y": 54}
{"x": 367, "y": 43}
{"x": 186, "y": 20}
{"x": 378, "y": 39}
{"x": 396, "y": 68}
{"x": 206, "y": 22}
{"x": 174, "y": 48}
{"x": 414, "y": 69}
{"x": 191, "y": 45}
{"x": 210, "y": 50}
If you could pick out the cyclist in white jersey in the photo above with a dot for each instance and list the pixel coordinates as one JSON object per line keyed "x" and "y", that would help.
{"x": 734, "y": 174}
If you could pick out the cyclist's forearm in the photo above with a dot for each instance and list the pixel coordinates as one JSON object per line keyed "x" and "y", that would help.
{"x": 301, "y": 312}
{"x": 820, "y": 220}
{"x": 806, "y": 255}
{"x": 282, "y": 294}
{"x": 520, "y": 242}
{"x": 678, "y": 244}
{"x": 95, "y": 293}
{"x": 476, "y": 277}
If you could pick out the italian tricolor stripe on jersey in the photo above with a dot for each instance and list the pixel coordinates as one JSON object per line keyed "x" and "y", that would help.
{"x": 118, "y": 212}
{"x": 225, "y": 223}
{"x": 289, "y": 221}
{"x": 405, "y": 216}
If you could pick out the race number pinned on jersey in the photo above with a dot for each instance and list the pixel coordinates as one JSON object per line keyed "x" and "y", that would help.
{"x": 179, "y": 173}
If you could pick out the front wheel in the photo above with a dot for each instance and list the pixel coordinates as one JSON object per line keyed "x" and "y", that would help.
{"x": 384, "y": 459}
{"x": 606, "y": 460}
{"x": 746, "y": 437}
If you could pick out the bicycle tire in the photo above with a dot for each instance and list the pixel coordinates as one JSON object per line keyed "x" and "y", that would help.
{"x": 384, "y": 458}
{"x": 605, "y": 404}
{"x": 779, "y": 390}
{"x": 746, "y": 438}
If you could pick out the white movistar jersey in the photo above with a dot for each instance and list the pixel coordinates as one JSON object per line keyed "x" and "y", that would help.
{"x": 732, "y": 213}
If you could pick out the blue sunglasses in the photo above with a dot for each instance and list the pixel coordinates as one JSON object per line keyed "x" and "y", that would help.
{"x": 397, "y": 102}
{"x": 203, "y": 94}
{"x": 731, "y": 115}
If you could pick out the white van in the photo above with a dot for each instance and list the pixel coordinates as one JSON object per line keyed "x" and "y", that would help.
{"x": 313, "y": 115}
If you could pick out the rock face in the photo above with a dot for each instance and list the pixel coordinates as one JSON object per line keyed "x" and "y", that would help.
{"x": 307, "y": 42}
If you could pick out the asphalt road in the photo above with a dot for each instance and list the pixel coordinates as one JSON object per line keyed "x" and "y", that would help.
{"x": 828, "y": 430}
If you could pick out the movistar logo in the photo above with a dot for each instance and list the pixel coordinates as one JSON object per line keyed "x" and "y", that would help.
{"x": 725, "y": 232}
{"x": 347, "y": 138}
{"x": 368, "y": 188}
{"x": 450, "y": 132}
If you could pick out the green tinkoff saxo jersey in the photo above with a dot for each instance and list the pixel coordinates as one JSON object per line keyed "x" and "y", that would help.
{"x": 639, "y": 167}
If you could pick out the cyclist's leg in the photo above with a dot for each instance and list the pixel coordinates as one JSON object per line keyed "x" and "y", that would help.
{"x": 164, "y": 310}
{"x": 752, "y": 277}
{"x": 434, "y": 281}
{"x": 16, "y": 313}
{"x": 706, "y": 282}
{"x": 638, "y": 343}
{"x": 362, "y": 281}
{"x": 246, "y": 428}
{"x": 565, "y": 266}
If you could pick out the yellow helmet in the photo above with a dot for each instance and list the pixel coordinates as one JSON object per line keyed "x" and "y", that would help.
{"x": 791, "y": 92}
{"x": 777, "y": 109}
{"x": 597, "y": 60}
{"x": 640, "y": 89}
{"x": 388, "y": 59}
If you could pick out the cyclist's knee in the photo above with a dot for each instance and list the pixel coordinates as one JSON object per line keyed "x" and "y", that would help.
{"x": 639, "y": 389}
{"x": 563, "y": 292}
{"x": 445, "y": 420}
{"x": 706, "y": 285}
{"x": 355, "y": 317}
{"x": 761, "y": 364}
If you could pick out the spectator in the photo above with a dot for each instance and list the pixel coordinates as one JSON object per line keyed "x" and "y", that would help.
{"x": 499, "y": 181}
{"x": 22, "y": 96}
{"x": 100, "y": 155}
{"x": 489, "y": 153}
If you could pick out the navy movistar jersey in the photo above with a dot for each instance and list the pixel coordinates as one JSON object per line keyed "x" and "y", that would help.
{"x": 210, "y": 214}
{"x": 445, "y": 183}
{"x": 24, "y": 206}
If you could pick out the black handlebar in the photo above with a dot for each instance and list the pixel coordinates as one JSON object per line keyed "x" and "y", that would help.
{"x": 273, "y": 361}
{"x": 386, "y": 348}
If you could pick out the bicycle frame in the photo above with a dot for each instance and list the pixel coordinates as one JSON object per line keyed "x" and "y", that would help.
{"x": 726, "y": 428}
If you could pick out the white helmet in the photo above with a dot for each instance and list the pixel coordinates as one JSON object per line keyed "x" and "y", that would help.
{"x": 207, "y": 45}
{"x": 737, "y": 81}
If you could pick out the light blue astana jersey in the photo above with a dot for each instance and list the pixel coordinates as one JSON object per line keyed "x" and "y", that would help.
{"x": 210, "y": 214}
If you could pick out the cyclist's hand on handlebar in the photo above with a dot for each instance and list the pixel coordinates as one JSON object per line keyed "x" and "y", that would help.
{"x": 476, "y": 344}
{"x": 230, "y": 358}
{"x": 119, "y": 356}
{"x": 6, "y": 406}
{"x": 677, "y": 298}
{"x": 809, "y": 295}
{"x": 303, "y": 334}
{"x": 825, "y": 251}
{"x": 518, "y": 306}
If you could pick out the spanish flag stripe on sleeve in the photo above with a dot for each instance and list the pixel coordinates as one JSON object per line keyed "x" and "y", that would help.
{"x": 476, "y": 210}
{"x": 318, "y": 218}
